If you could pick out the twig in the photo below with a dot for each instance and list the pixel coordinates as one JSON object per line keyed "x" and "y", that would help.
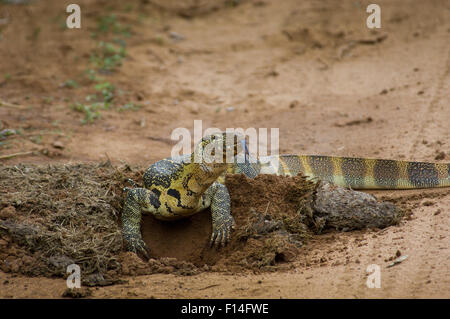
{"x": 397, "y": 261}
{"x": 109, "y": 188}
{"x": 207, "y": 287}
{"x": 267, "y": 208}
{"x": 161, "y": 139}
{"x": 33, "y": 134}
{"x": 16, "y": 154}
{"x": 109, "y": 160}
{"x": 7, "y": 104}
{"x": 19, "y": 170}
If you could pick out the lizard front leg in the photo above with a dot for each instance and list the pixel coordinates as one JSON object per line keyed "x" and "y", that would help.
{"x": 222, "y": 221}
{"x": 138, "y": 199}
{"x": 132, "y": 183}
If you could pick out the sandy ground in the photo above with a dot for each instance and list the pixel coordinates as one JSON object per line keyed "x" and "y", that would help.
{"x": 311, "y": 69}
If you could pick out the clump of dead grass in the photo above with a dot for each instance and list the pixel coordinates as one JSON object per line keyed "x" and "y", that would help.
{"x": 61, "y": 214}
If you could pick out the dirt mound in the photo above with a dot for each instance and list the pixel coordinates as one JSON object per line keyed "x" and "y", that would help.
{"x": 271, "y": 224}
{"x": 52, "y": 216}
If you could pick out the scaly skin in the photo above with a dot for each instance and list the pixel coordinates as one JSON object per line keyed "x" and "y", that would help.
{"x": 176, "y": 188}
{"x": 359, "y": 173}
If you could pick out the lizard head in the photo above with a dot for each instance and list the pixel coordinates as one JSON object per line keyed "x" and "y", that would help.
{"x": 214, "y": 152}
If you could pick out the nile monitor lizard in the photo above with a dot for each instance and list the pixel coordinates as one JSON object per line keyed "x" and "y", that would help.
{"x": 179, "y": 187}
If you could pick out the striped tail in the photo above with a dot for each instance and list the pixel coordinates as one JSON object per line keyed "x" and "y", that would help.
{"x": 360, "y": 173}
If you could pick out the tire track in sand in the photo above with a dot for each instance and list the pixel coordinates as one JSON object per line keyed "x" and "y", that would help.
{"x": 435, "y": 125}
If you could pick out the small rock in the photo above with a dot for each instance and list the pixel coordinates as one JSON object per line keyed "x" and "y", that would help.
{"x": 58, "y": 144}
{"x": 77, "y": 292}
{"x": 428, "y": 203}
{"x": 273, "y": 73}
{"x": 176, "y": 36}
{"x": 259, "y": 3}
{"x": 440, "y": 156}
{"x": 294, "y": 104}
{"x": 60, "y": 262}
{"x": 336, "y": 263}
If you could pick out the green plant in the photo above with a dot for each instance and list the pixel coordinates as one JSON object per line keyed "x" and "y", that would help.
{"x": 108, "y": 56}
{"x": 35, "y": 33}
{"x": 91, "y": 111}
{"x": 91, "y": 74}
{"x": 107, "y": 90}
{"x": 37, "y": 139}
{"x": 105, "y": 58}
{"x": 70, "y": 84}
{"x": 47, "y": 100}
{"x": 105, "y": 23}
{"x": 7, "y": 132}
{"x": 158, "y": 40}
{"x": 109, "y": 23}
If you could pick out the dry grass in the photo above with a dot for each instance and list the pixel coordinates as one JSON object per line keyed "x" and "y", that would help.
{"x": 62, "y": 214}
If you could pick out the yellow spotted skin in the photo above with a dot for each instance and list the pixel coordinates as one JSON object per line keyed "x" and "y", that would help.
{"x": 180, "y": 187}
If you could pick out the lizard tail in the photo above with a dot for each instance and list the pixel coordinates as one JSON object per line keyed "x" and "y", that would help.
{"x": 360, "y": 173}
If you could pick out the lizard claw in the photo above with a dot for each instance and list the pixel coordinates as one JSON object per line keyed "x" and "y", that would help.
{"x": 137, "y": 245}
{"x": 221, "y": 233}
{"x": 131, "y": 182}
